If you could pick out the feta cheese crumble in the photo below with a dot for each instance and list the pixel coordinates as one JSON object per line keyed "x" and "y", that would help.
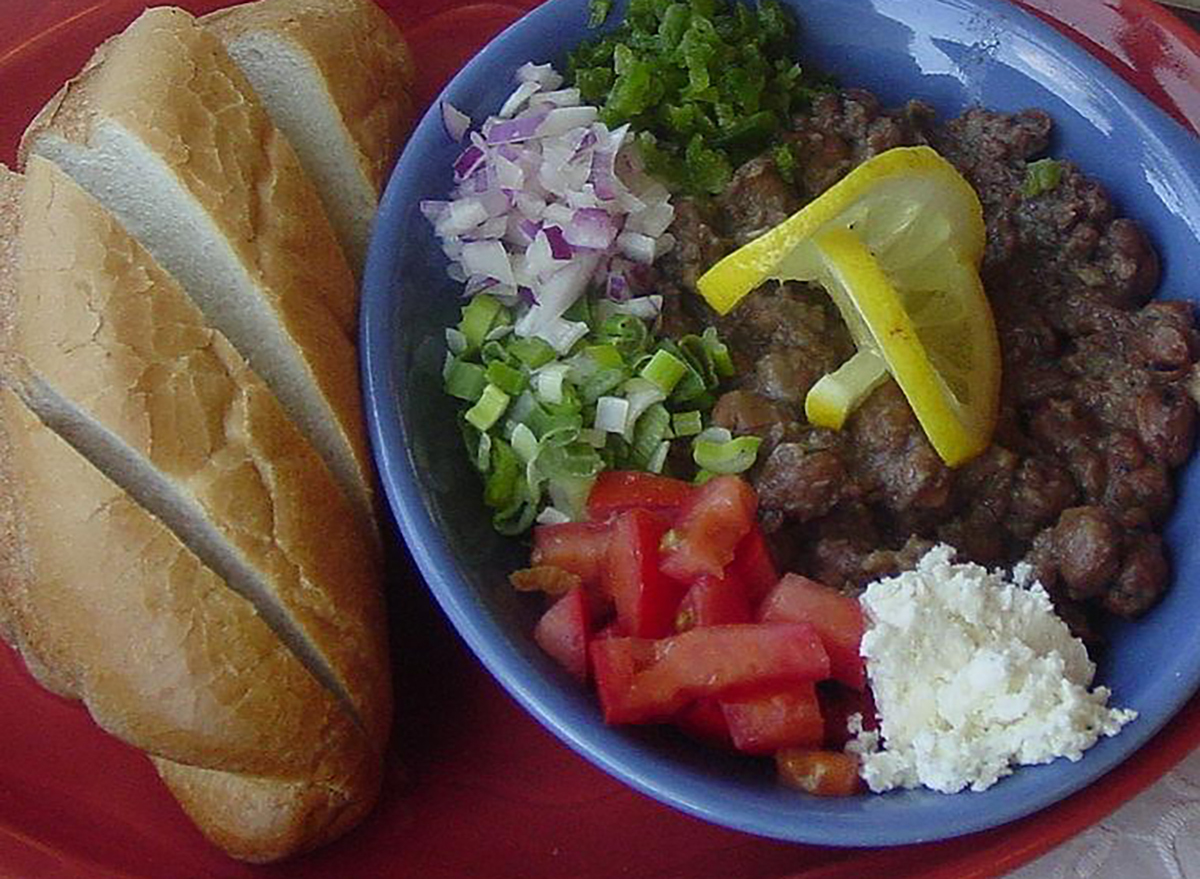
{"x": 972, "y": 674}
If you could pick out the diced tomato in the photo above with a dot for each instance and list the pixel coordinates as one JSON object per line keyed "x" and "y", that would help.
{"x": 563, "y": 632}
{"x": 704, "y": 720}
{"x": 762, "y": 724}
{"x": 578, "y": 547}
{"x": 646, "y": 599}
{"x": 753, "y": 565}
{"x": 715, "y": 517}
{"x": 821, "y": 773}
{"x": 838, "y": 702}
{"x": 641, "y": 680}
{"x": 615, "y": 491}
{"x": 713, "y": 601}
{"x": 837, "y": 617}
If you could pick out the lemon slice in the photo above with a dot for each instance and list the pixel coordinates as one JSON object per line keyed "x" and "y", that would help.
{"x": 897, "y": 245}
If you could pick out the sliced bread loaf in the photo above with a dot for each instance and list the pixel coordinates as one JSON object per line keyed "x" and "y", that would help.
{"x": 125, "y": 618}
{"x": 335, "y": 76}
{"x": 108, "y": 351}
{"x": 165, "y": 131}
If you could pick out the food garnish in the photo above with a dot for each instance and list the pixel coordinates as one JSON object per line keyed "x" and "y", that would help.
{"x": 705, "y": 84}
{"x": 896, "y": 244}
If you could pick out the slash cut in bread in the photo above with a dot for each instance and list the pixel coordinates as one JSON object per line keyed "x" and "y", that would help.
{"x": 187, "y": 534}
{"x": 164, "y": 131}
{"x": 225, "y": 638}
{"x": 336, "y": 82}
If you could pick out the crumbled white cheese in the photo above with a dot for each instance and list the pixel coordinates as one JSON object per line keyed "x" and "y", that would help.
{"x": 972, "y": 674}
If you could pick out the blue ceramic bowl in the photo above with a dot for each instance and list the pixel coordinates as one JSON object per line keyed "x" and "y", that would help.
{"x": 950, "y": 53}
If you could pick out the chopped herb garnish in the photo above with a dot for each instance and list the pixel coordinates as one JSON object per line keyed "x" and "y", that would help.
{"x": 1041, "y": 176}
{"x": 705, "y": 83}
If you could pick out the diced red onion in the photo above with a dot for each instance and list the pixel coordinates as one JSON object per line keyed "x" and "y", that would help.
{"x": 560, "y": 247}
{"x": 434, "y": 210}
{"x": 562, "y": 119}
{"x": 514, "y": 130}
{"x": 636, "y": 246}
{"x": 488, "y": 258}
{"x": 543, "y": 74}
{"x": 617, "y": 287}
{"x": 549, "y": 202}
{"x": 455, "y": 121}
{"x": 592, "y": 228}
{"x": 652, "y": 220}
{"x": 462, "y": 216}
{"x": 560, "y": 98}
{"x": 477, "y": 284}
{"x": 518, "y": 98}
{"x": 466, "y": 163}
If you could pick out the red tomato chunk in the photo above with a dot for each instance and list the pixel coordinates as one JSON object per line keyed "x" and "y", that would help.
{"x": 713, "y": 601}
{"x": 641, "y": 680}
{"x": 762, "y": 724}
{"x": 563, "y": 632}
{"x": 838, "y": 618}
{"x": 753, "y": 565}
{"x": 821, "y": 773}
{"x": 716, "y": 516}
{"x": 645, "y": 598}
{"x": 578, "y": 547}
{"x": 615, "y": 491}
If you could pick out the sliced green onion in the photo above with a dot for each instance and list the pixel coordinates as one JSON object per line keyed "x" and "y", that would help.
{"x": 465, "y": 380}
{"x": 456, "y": 342}
{"x": 593, "y": 437}
{"x": 641, "y": 394}
{"x": 687, "y": 423}
{"x": 511, "y": 381}
{"x": 664, "y": 369}
{"x": 651, "y": 429}
{"x": 548, "y": 382}
{"x": 524, "y": 443}
{"x": 478, "y": 317}
{"x": 503, "y": 477}
{"x": 611, "y": 414}
{"x": 605, "y": 356}
{"x": 719, "y": 351}
{"x": 601, "y": 383}
{"x": 659, "y": 459}
{"x": 731, "y": 456}
{"x": 531, "y": 350}
{"x": 702, "y": 476}
{"x": 491, "y": 405}
{"x": 569, "y": 494}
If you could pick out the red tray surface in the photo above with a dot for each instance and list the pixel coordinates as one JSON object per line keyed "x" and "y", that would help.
{"x": 477, "y": 788}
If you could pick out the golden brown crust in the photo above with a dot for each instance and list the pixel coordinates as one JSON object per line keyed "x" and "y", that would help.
{"x": 164, "y": 655}
{"x": 170, "y": 84}
{"x": 103, "y": 325}
{"x": 362, "y": 59}
{"x": 262, "y": 819}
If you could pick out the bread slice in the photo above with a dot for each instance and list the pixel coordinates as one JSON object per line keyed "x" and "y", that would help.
{"x": 170, "y": 660}
{"x": 108, "y": 351}
{"x": 335, "y": 76}
{"x": 164, "y": 130}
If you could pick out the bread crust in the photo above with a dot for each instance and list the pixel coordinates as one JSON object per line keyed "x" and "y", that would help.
{"x": 170, "y": 84}
{"x": 102, "y": 324}
{"x": 363, "y": 61}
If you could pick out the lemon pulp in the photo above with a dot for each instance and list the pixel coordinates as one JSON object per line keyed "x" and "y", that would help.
{"x": 896, "y": 244}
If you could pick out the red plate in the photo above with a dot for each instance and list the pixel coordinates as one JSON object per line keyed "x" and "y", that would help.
{"x": 478, "y": 789}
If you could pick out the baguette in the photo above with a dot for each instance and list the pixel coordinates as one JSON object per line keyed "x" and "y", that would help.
{"x": 170, "y": 660}
{"x": 164, "y": 130}
{"x": 108, "y": 351}
{"x": 335, "y": 76}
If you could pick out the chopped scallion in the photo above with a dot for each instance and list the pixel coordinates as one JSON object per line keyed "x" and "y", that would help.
{"x": 487, "y": 411}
